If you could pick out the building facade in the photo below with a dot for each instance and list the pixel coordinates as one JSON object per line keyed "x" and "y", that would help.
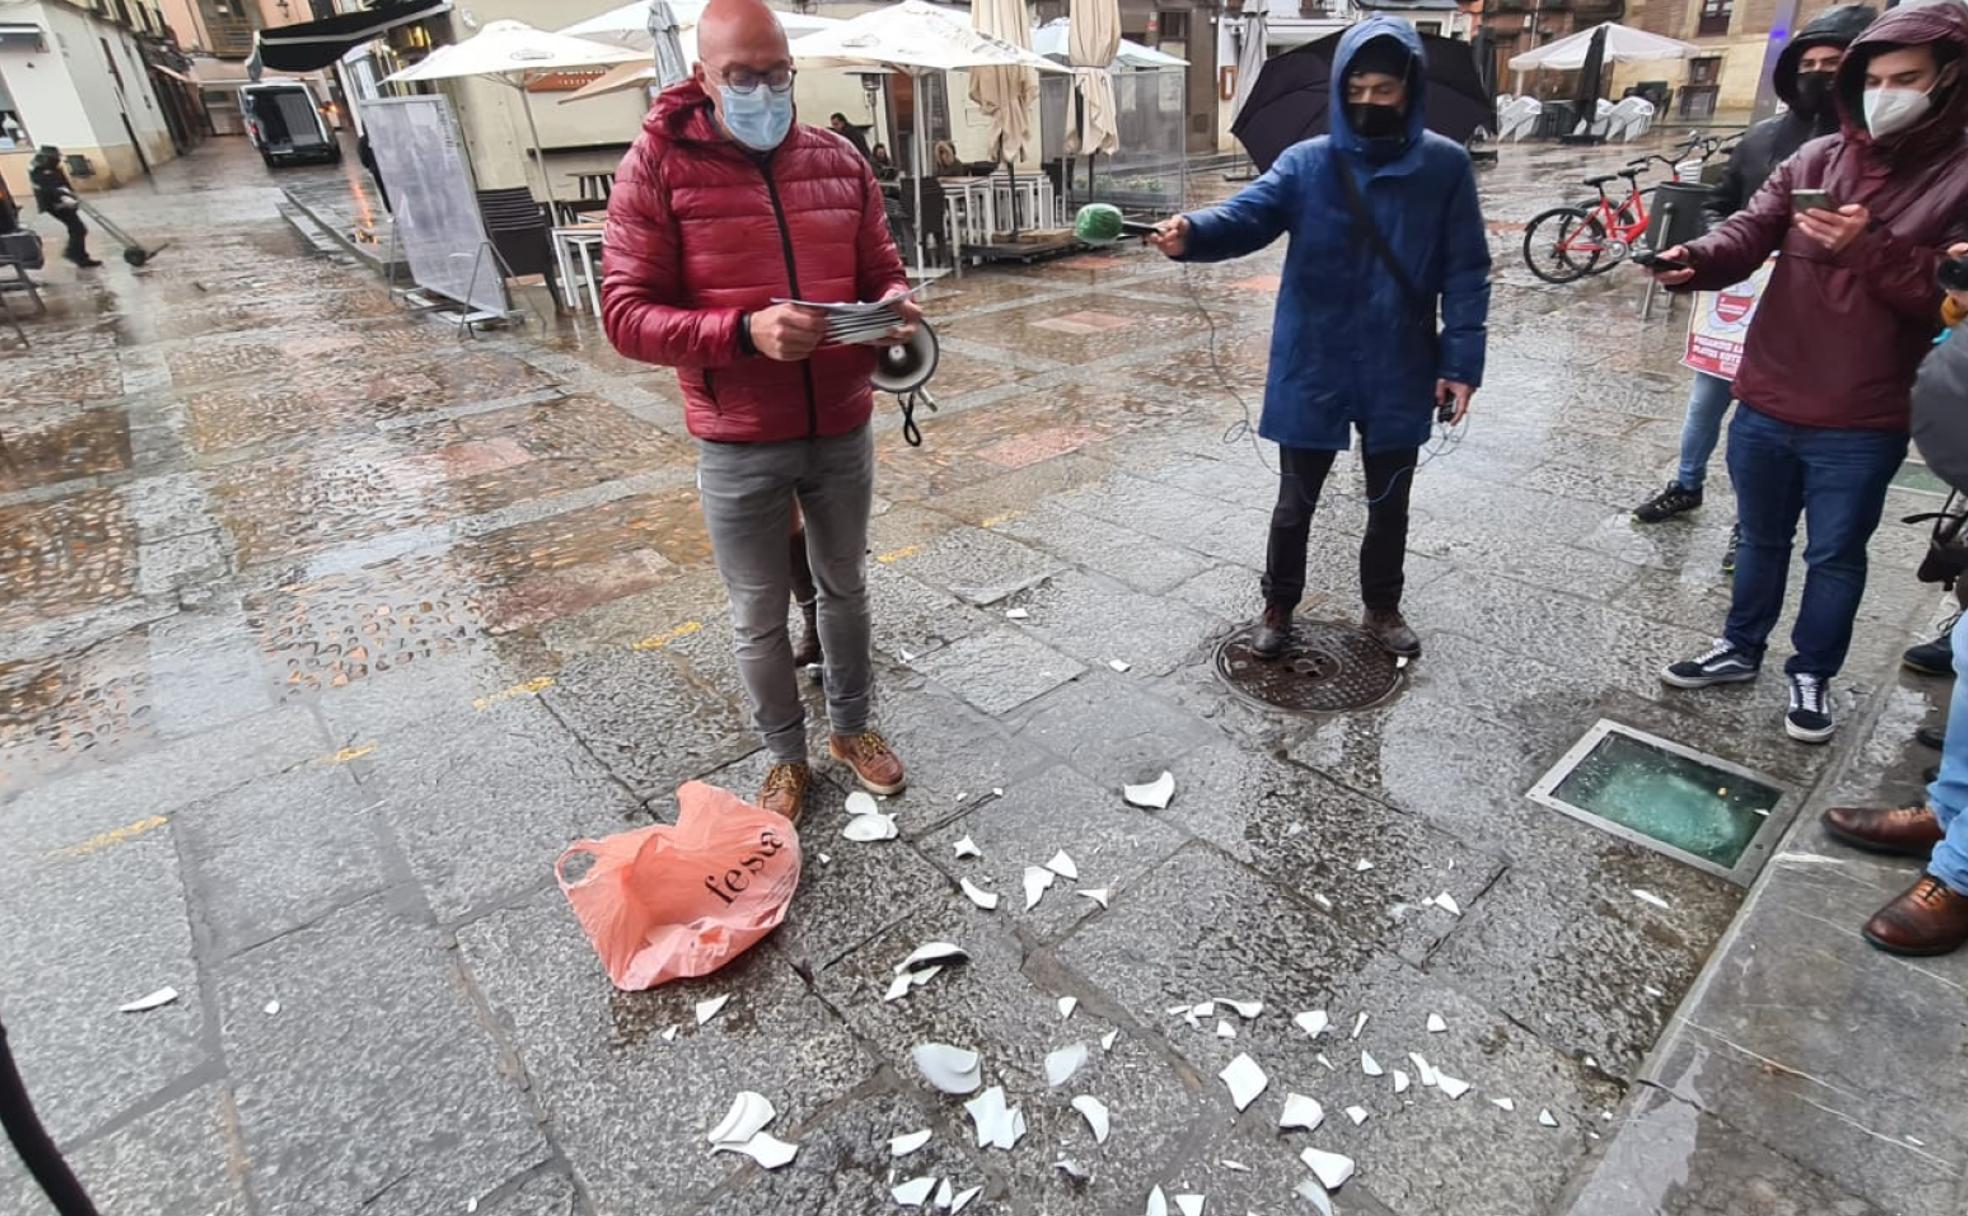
{"x": 78, "y": 74}
{"x": 1739, "y": 41}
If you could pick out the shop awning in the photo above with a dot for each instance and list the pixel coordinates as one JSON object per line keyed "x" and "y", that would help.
{"x": 313, "y": 45}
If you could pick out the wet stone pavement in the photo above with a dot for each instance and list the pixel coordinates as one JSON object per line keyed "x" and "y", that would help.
{"x": 322, "y": 632}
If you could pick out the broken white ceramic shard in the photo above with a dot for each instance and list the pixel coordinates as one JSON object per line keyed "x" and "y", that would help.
{"x": 1400, "y": 1082}
{"x": 1155, "y": 795}
{"x": 963, "y": 1199}
{"x": 1096, "y": 894}
{"x": 1357, "y": 1113}
{"x": 1017, "y": 1129}
{"x": 1017, "y": 614}
{"x": 860, "y": 802}
{"x": 1359, "y": 1024}
{"x": 967, "y": 848}
{"x": 1245, "y": 1009}
{"x": 1119, "y": 664}
{"x": 1652, "y": 991}
{"x": 156, "y": 1000}
{"x": 1313, "y": 1022}
{"x": 1450, "y": 1085}
{"x": 1037, "y": 879}
{"x": 1648, "y": 897}
{"x": 706, "y": 1010}
{"x": 1503, "y": 1104}
{"x": 749, "y": 1114}
{"x": 1371, "y": 1066}
{"x": 824, "y": 859}
{"x": 899, "y": 987}
{"x": 1095, "y": 1113}
{"x": 1447, "y": 903}
{"x": 1067, "y": 1004}
{"x": 1234, "y": 1166}
{"x": 1245, "y": 1079}
{"x": 1546, "y": 1119}
{"x": 1321, "y": 1058}
{"x": 1203, "y": 1009}
{"x": 990, "y": 1117}
{"x": 1301, "y": 1111}
{"x": 915, "y": 1192}
{"x": 1332, "y": 1169}
{"x": 1157, "y": 1203}
{"x": 932, "y": 953}
{"x": 902, "y": 1146}
{"x": 986, "y": 900}
{"x": 1314, "y": 1194}
{"x": 669, "y": 1034}
{"x": 867, "y": 829}
{"x": 1436, "y": 1025}
{"x": 944, "y": 1194}
{"x": 1062, "y": 1064}
{"x": 1324, "y": 903}
{"x": 1107, "y": 1040}
{"x": 1225, "y": 1030}
{"x": 763, "y": 1148}
{"x": 997, "y": 791}
{"x": 1189, "y": 1205}
{"x": 1072, "y": 1169}
{"x": 1425, "y": 1070}
{"x": 1062, "y": 865}
{"x": 271, "y": 1008}
{"x": 1362, "y": 866}
{"x": 950, "y": 1069}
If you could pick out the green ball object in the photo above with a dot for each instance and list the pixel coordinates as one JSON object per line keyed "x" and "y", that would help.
{"x": 1098, "y": 224}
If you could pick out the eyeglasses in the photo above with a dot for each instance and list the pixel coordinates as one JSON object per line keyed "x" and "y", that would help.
{"x": 745, "y": 81}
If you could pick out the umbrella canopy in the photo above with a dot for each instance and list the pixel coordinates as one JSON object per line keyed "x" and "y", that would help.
{"x": 1293, "y": 95}
{"x": 1623, "y": 45}
{"x": 1051, "y": 40}
{"x": 312, "y": 45}
{"x": 913, "y": 37}
{"x": 1250, "y": 57}
{"x": 642, "y": 73}
{"x": 1093, "y": 39}
{"x": 1592, "y": 79}
{"x": 665, "y": 53}
{"x": 629, "y": 25}
{"x": 1007, "y": 94}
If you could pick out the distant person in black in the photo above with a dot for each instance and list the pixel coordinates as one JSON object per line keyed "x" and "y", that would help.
{"x": 852, "y": 134}
{"x": 55, "y": 196}
{"x": 368, "y": 159}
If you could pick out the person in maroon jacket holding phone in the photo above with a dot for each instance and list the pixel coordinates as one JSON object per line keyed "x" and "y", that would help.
{"x": 724, "y": 204}
{"x": 1829, "y": 360}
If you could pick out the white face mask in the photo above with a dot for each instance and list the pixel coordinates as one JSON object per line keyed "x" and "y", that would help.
{"x": 1890, "y": 111}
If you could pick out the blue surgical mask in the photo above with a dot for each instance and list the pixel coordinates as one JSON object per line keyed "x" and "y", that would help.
{"x": 758, "y": 119}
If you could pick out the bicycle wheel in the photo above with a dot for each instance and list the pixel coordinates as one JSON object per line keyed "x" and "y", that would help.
{"x": 1563, "y": 244}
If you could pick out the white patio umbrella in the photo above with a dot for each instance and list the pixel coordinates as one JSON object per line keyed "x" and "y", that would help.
{"x": 666, "y": 54}
{"x": 1093, "y": 39}
{"x": 1624, "y": 44}
{"x": 1051, "y": 40}
{"x": 1250, "y": 56}
{"x": 1007, "y": 94}
{"x": 634, "y": 75}
{"x": 513, "y": 52}
{"x": 629, "y": 25}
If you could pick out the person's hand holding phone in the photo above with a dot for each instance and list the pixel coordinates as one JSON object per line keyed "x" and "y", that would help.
{"x": 1452, "y": 399}
{"x": 1835, "y": 230}
{"x": 1670, "y": 267}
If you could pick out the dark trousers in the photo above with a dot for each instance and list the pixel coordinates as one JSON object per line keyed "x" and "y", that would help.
{"x": 1301, "y": 475}
{"x": 1836, "y": 480}
{"x": 78, "y": 234}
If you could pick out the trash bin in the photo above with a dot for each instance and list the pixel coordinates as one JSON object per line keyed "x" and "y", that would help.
{"x": 1676, "y": 216}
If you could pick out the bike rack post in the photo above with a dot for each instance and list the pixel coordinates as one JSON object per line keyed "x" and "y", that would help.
{"x": 1666, "y": 212}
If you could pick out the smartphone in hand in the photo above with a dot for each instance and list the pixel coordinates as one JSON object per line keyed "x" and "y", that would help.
{"x": 1812, "y": 200}
{"x": 1647, "y": 259}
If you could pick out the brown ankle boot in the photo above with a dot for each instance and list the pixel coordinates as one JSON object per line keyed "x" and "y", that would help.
{"x": 875, "y": 764}
{"x": 1930, "y": 918}
{"x": 1907, "y": 831}
{"x": 1390, "y": 629}
{"x": 1273, "y": 632}
{"x": 784, "y": 791}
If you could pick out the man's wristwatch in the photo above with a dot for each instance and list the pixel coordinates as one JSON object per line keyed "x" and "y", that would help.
{"x": 745, "y": 344}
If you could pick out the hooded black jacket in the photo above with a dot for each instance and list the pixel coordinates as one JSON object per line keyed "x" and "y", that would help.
{"x": 1771, "y": 142}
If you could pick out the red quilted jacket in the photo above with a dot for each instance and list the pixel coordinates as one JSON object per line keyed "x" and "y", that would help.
{"x": 700, "y": 232}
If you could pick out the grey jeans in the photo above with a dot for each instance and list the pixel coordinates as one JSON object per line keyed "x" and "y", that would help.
{"x": 748, "y": 491}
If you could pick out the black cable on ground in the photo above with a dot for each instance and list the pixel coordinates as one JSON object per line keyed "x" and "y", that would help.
{"x": 37, "y": 1150}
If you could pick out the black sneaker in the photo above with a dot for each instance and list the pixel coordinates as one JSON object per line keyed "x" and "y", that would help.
{"x": 1273, "y": 632}
{"x": 1930, "y": 736}
{"x": 1720, "y": 664}
{"x": 1729, "y": 554}
{"x": 1667, "y": 504}
{"x": 1935, "y": 658}
{"x": 1809, "y": 719}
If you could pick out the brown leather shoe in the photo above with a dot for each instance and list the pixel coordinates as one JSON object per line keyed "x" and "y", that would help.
{"x": 784, "y": 791}
{"x": 1390, "y": 629}
{"x": 877, "y": 767}
{"x": 1273, "y": 632}
{"x": 1930, "y": 918}
{"x": 1907, "y": 831}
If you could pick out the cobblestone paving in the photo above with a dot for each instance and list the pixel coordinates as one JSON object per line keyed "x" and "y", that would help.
{"x": 322, "y": 632}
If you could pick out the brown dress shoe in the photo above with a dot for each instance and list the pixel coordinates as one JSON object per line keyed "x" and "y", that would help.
{"x": 1930, "y": 918}
{"x": 877, "y": 767}
{"x": 1390, "y": 629}
{"x": 784, "y": 791}
{"x": 1907, "y": 831}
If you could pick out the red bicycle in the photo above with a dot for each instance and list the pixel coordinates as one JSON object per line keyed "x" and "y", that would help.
{"x": 1567, "y": 243}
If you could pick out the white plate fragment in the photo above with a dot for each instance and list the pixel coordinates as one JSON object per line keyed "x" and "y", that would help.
{"x": 1037, "y": 879}
{"x": 1546, "y": 1119}
{"x": 1450, "y": 1085}
{"x": 944, "y": 1194}
{"x": 1245, "y": 1009}
{"x": 1320, "y": 899}
{"x": 1072, "y": 1169}
{"x": 1189, "y": 1205}
{"x": 1362, "y": 866}
{"x": 1321, "y": 1058}
{"x": 1096, "y": 894}
{"x": 1225, "y": 1030}
{"x": 1301, "y": 1111}
{"x": 1648, "y": 897}
{"x": 1062, "y": 865}
{"x": 1311, "y": 1192}
{"x": 1245, "y": 1079}
{"x": 271, "y": 1008}
{"x": 967, "y": 848}
{"x": 1119, "y": 664}
{"x": 1155, "y": 795}
{"x": 1359, "y": 1024}
{"x": 987, "y": 900}
{"x": 1426, "y": 1071}
{"x": 860, "y": 802}
{"x": 706, "y": 1010}
{"x": 1067, "y": 1004}
{"x": 997, "y": 1126}
{"x": 915, "y": 1192}
{"x": 902, "y": 1146}
{"x": 867, "y": 829}
{"x": 898, "y": 988}
{"x": 1157, "y": 1203}
{"x": 932, "y": 954}
{"x": 1503, "y": 1104}
{"x": 1400, "y": 1082}
{"x": 1107, "y": 1040}
{"x": 1234, "y": 1166}
{"x": 1436, "y": 1025}
{"x": 1447, "y": 903}
{"x": 1017, "y": 614}
{"x": 1062, "y": 1064}
{"x": 669, "y": 1034}
{"x": 1357, "y": 1113}
{"x": 1095, "y": 1113}
{"x": 764, "y": 1148}
{"x": 963, "y": 1199}
{"x": 1331, "y": 1169}
{"x": 156, "y": 1000}
{"x": 1313, "y": 1022}
{"x": 952, "y": 1070}
{"x": 1371, "y": 1066}
{"x": 748, "y": 1116}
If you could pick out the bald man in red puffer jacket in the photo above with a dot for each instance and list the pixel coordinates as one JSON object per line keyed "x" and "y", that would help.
{"x": 724, "y": 205}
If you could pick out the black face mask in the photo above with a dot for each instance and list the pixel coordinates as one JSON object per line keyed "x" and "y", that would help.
{"x": 1814, "y": 93}
{"x": 1375, "y": 122}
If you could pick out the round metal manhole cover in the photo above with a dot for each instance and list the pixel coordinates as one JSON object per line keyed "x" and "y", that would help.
{"x": 1327, "y": 668}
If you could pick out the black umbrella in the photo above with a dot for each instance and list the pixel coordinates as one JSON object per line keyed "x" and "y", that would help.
{"x": 1294, "y": 91}
{"x": 1592, "y": 80}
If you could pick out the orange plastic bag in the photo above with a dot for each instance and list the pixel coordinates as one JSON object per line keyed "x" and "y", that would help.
{"x": 662, "y": 903}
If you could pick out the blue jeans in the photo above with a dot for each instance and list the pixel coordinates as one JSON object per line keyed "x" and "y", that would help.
{"x": 1708, "y": 399}
{"x": 1836, "y": 479}
{"x": 1949, "y": 793}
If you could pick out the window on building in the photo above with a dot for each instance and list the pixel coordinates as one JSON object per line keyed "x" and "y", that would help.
{"x": 13, "y": 131}
{"x": 1174, "y": 26}
{"x": 1705, "y": 71}
{"x": 1715, "y": 17}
